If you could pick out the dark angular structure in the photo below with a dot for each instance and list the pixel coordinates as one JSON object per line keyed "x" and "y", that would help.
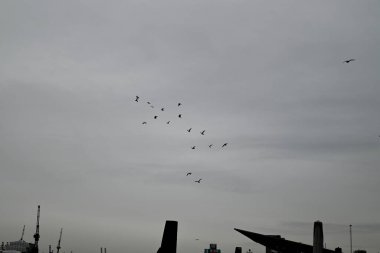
{"x": 169, "y": 238}
{"x": 318, "y": 237}
{"x": 281, "y": 245}
{"x": 238, "y": 250}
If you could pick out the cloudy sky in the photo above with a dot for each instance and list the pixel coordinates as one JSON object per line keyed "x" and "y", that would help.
{"x": 267, "y": 77}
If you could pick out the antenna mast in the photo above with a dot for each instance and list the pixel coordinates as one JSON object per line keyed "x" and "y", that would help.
{"x": 37, "y": 234}
{"x": 350, "y": 238}
{"x": 22, "y": 235}
{"x": 59, "y": 241}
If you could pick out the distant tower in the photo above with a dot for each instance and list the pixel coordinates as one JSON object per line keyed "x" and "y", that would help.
{"x": 318, "y": 237}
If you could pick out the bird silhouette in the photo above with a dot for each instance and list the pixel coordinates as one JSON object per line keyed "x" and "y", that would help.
{"x": 197, "y": 239}
{"x": 189, "y": 129}
{"x": 137, "y": 99}
{"x": 144, "y": 123}
{"x": 348, "y": 61}
{"x": 148, "y": 103}
{"x": 162, "y": 109}
{"x": 188, "y": 174}
{"x": 193, "y": 147}
{"x": 225, "y": 144}
{"x": 210, "y": 145}
{"x": 198, "y": 181}
{"x": 179, "y": 115}
{"x": 203, "y": 132}
{"x": 155, "y": 117}
{"x": 179, "y": 104}
{"x": 168, "y": 122}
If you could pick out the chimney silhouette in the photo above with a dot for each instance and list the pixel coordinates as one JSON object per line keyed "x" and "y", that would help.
{"x": 318, "y": 237}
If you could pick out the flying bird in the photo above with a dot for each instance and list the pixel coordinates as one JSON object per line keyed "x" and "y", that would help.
{"x": 179, "y": 104}
{"x": 197, "y": 239}
{"x": 168, "y": 122}
{"x": 188, "y": 174}
{"x": 144, "y": 123}
{"x": 348, "y": 61}
{"x": 198, "y": 181}
{"x": 155, "y": 117}
{"x": 203, "y": 132}
{"x": 210, "y": 145}
{"x": 148, "y": 103}
{"x": 162, "y": 109}
{"x": 179, "y": 115}
{"x": 193, "y": 147}
{"x": 137, "y": 99}
{"x": 225, "y": 144}
{"x": 189, "y": 129}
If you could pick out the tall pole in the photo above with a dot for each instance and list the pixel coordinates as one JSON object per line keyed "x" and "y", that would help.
{"x": 37, "y": 234}
{"x": 22, "y": 235}
{"x": 350, "y": 238}
{"x": 59, "y": 241}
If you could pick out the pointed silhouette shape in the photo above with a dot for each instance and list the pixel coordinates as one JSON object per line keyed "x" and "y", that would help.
{"x": 203, "y": 132}
{"x": 155, "y": 117}
{"x": 189, "y": 129}
{"x": 179, "y": 104}
{"x": 148, "y": 103}
{"x": 188, "y": 173}
{"x": 198, "y": 181}
{"x": 210, "y": 146}
{"x": 193, "y": 147}
{"x": 349, "y": 60}
{"x": 137, "y": 99}
{"x": 169, "y": 238}
{"x": 180, "y": 116}
{"x": 168, "y": 122}
{"x": 224, "y": 145}
{"x": 144, "y": 123}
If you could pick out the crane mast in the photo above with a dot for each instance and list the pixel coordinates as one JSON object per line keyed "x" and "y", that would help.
{"x": 59, "y": 241}
{"x": 22, "y": 235}
{"x": 37, "y": 234}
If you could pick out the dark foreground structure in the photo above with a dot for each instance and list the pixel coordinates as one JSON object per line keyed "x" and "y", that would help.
{"x": 280, "y": 245}
{"x": 169, "y": 238}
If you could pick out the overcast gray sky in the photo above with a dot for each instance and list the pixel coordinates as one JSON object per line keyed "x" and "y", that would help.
{"x": 265, "y": 76}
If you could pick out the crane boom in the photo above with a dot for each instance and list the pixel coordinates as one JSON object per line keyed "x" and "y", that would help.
{"x": 22, "y": 235}
{"x": 59, "y": 241}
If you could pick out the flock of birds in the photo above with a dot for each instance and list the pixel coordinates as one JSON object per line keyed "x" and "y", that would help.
{"x": 137, "y": 99}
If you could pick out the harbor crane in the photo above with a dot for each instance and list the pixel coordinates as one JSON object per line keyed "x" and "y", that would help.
{"x": 22, "y": 235}
{"x": 59, "y": 241}
{"x": 37, "y": 234}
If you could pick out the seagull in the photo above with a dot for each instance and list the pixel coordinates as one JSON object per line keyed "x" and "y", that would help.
{"x": 348, "y": 61}
{"x": 155, "y": 117}
{"x": 137, "y": 99}
{"x": 179, "y": 104}
{"x": 198, "y": 181}
{"x": 162, "y": 109}
{"x": 144, "y": 123}
{"x": 225, "y": 144}
{"x": 188, "y": 174}
{"x": 148, "y": 103}
{"x": 203, "y": 132}
{"x": 168, "y": 122}
{"x": 179, "y": 115}
{"x": 210, "y": 145}
{"x": 193, "y": 147}
{"x": 189, "y": 129}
